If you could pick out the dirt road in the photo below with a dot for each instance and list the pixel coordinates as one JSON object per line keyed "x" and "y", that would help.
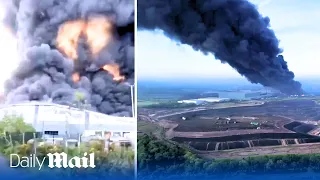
{"x": 260, "y": 151}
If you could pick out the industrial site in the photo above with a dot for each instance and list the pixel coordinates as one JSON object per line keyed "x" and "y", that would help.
{"x": 70, "y": 74}
{"x": 58, "y": 124}
{"x": 238, "y": 127}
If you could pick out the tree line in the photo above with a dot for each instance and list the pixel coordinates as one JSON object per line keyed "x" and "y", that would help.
{"x": 117, "y": 161}
{"x": 161, "y": 157}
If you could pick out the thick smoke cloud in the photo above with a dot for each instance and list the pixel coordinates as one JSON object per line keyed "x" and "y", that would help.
{"x": 45, "y": 74}
{"x": 232, "y": 30}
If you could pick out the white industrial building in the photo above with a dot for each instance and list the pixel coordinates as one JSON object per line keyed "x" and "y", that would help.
{"x": 222, "y": 96}
{"x": 204, "y": 100}
{"x": 61, "y": 120}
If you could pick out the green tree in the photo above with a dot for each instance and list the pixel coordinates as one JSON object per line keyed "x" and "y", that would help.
{"x": 15, "y": 124}
{"x": 80, "y": 101}
{"x": 79, "y": 96}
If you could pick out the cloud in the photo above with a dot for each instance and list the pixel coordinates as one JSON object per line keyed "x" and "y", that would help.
{"x": 264, "y": 3}
{"x": 260, "y": 3}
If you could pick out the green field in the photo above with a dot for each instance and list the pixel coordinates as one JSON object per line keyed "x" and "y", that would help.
{"x": 150, "y": 128}
{"x": 142, "y": 103}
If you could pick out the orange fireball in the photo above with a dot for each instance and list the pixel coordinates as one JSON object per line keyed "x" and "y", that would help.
{"x": 98, "y": 32}
{"x": 114, "y": 70}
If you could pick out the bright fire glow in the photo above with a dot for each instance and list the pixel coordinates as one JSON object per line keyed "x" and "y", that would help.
{"x": 8, "y": 53}
{"x": 114, "y": 69}
{"x": 76, "y": 77}
{"x": 97, "y": 32}
{"x": 68, "y": 37}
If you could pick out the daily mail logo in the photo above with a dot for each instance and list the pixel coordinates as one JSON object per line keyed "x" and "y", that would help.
{"x": 55, "y": 160}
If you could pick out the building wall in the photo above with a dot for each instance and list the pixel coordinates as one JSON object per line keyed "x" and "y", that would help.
{"x": 53, "y": 117}
{"x": 193, "y": 101}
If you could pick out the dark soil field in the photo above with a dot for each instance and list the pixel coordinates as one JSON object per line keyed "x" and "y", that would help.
{"x": 308, "y": 148}
{"x": 206, "y": 124}
{"x": 245, "y": 137}
{"x": 246, "y": 141}
{"x": 269, "y": 116}
{"x": 299, "y": 127}
{"x": 295, "y": 109}
{"x": 272, "y": 124}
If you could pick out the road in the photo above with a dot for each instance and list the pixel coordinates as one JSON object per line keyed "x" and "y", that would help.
{"x": 197, "y": 109}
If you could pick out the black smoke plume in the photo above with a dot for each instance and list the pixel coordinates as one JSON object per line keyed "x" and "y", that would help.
{"x": 45, "y": 74}
{"x": 232, "y": 30}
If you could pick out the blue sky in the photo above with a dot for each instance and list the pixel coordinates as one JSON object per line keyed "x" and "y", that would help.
{"x": 295, "y": 22}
